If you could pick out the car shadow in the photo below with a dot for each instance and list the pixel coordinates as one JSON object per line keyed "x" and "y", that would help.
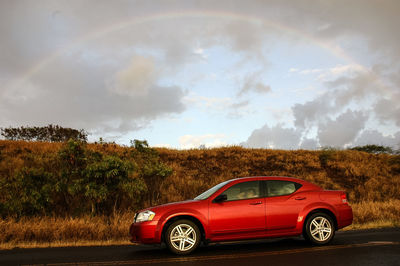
{"x": 225, "y": 248}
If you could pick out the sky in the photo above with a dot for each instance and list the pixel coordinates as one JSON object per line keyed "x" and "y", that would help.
{"x": 187, "y": 74}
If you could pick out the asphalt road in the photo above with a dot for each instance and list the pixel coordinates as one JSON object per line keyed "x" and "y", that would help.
{"x": 372, "y": 247}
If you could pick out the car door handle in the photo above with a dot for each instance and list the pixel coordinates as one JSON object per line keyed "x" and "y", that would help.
{"x": 256, "y": 203}
{"x": 300, "y": 198}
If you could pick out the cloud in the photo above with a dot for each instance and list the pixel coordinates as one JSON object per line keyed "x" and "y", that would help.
{"x": 343, "y": 130}
{"x": 341, "y": 92}
{"x": 200, "y": 53}
{"x": 85, "y": 101}
{"x": 388, "y": 109}
{"x": 307, "y": 113}
{"x": 95, "y": 84}
{"x": 246, "y": 38}
{"x": 328, "y": 74}
{"x": 137, "y": 79}
{"x": 226, "y": 106}
{"x": 253, "y": 83}
{"x": 197, "y": 141}
{"x": 309, "y": 144}
{"x": 331, "y": 21}
{"x": 339, "y": 132}
{"x": 377, "y": 138}
{"x": 276, "y": 137}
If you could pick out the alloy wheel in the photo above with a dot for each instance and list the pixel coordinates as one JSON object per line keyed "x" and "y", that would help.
{"x": 320, "y": 229}
{"x": 183, "y": 237}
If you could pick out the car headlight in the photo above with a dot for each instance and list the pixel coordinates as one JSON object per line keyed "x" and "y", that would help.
{"x": 144, "y": 216}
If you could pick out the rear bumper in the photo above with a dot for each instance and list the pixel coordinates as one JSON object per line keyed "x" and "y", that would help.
{"x": 144, "y": 232}
{"x": 345, "y": 216}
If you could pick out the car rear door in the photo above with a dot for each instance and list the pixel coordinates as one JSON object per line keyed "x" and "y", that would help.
{"x": 283, "y": 205}
{"x": 242, "y": 212}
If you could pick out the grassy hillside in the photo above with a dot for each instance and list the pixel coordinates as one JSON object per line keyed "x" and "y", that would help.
{"x": 366, "y": 177}
{"x": 372, "y": 181}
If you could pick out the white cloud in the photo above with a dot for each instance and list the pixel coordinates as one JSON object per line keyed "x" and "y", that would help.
{"x": 341, "y": 92}
{"x": 213, "y": 103}
{"x": 276, "y": 137}
{"x": 349, "y": 70}
{"x": 310, "y": 71}
{"x": 163, "y": 145}
{"x": 196, "y": 141}
{"x": 309, "y": 144}
{"x": 201, "y": 53}
{"x": 327, "y": 74}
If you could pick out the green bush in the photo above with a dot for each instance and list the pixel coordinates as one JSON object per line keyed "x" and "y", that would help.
{"x": 78, "y": 181}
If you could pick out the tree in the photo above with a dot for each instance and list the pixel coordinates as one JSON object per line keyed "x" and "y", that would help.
{"x": 96, "y": 182}
{"x": 107, "y": 180}
{"x": 150, "y": 168}
{"x": 51, "y": 133}
{"x": 27, "y": 192}
{"x": 375, "y": 149}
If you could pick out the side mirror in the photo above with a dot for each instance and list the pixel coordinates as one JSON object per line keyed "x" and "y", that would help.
{"x": 220, "y": 198}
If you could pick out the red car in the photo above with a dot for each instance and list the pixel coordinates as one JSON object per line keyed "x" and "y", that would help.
{"x": 245, "y": 208}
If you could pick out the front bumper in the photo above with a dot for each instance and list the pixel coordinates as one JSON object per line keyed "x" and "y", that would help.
{"x": 144, "y": 232}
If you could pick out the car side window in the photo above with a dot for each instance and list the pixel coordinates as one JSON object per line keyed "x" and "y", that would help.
{"x": 245, "y": 190}
{"x": 281, "y": 188}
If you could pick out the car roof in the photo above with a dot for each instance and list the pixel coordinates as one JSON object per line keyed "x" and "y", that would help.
{"x": 282, "y": 178}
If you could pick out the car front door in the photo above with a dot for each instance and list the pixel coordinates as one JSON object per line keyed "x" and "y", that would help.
{"x": 242, "y": 212}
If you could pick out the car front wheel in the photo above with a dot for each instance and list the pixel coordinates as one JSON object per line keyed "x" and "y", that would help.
{"x": 182, "y": 237}
{"x": 319, "y": 229}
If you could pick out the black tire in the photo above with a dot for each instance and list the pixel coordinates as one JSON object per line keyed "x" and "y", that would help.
{"x": 319, "y": 229}
{"x": 182, "y": 237}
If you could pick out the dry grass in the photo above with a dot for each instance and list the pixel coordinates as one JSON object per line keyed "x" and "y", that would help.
{"x": 50, "y": 231}
{"x": 101, "y": 230}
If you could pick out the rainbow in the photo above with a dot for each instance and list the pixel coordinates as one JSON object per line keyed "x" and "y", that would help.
{"x": 335, "y": 50}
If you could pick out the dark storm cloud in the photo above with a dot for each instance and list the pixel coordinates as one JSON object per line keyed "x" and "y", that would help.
{"x": 84, "y": 101}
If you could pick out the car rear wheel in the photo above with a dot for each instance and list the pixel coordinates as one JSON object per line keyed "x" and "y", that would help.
{"x": 319, "y": 229}
{"x": 182, "y": 237}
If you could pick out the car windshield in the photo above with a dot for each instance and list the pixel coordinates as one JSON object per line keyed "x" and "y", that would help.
{"x": 211, "y": 191}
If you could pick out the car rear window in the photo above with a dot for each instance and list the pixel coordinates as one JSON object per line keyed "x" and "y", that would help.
{"x": 281, "y": 188}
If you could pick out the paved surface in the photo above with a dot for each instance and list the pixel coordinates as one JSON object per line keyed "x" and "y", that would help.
{"x": 372, "y": 247}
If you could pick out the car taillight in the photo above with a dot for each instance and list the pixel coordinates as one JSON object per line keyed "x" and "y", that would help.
{"x": 344, "y": 198}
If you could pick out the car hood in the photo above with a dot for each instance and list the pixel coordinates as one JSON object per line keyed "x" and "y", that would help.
{"x": 173, "y": 205}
